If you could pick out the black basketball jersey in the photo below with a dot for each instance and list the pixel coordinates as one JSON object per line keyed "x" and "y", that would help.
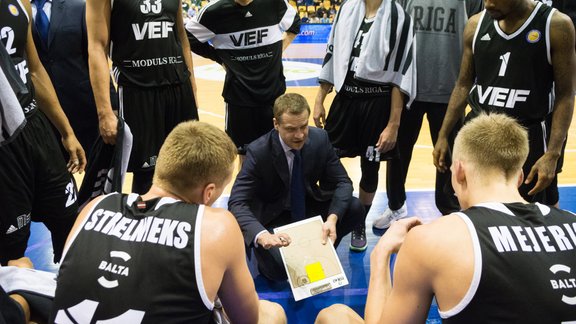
{"x": 355, "y": 88}
{"x": 144, "y": 43}
{"x": 14, "y": 33}
{"x": 524, "y": 265}
{"x": 134, "y": 262}
{"x": 248, "y": 39}
{"x": 514, "y": 72}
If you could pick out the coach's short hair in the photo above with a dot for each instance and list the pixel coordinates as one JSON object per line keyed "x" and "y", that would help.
{"x": 194, "y": 154}
{"x": 290, "y": 103}
{"x": 493, "y": 142}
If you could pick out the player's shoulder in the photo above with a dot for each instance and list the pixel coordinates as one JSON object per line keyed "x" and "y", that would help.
{"x": 438, "y": 237}
{"x": 220, "y": 223}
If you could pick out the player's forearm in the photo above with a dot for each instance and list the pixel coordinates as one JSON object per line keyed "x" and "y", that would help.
{"x": 455, "y": 110}
{"x": 561, "y": 119}
{"x": 100, "y": 81}
{"x": 379, "y": 287}
{"x": 287, "y": 40}
{"x": 396, "y": 108}
{"x": 324, "y": 89}
{"x": 48, "y": 102}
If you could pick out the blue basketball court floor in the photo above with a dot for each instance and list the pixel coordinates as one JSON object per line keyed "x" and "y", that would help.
{"x": 356, "y": 265}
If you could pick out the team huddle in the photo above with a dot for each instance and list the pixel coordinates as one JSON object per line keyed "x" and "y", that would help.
{"x": 75, "y": 73}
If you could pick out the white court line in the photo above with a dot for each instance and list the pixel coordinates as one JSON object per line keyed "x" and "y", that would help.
{"x": 201, "y": 111}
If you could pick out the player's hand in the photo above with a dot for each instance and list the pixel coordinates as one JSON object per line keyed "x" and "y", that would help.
{"x": 329, "y": 229}
{"x": 267, "y": 240}
{"x": 319, "y": 115}
{"x": 387, "y": 139}
{"x": 77, "y": 161}
{"x": 23, "y": 262}
{"x": 392, "y": 240}
{"x": 545, "y": 169}
{"x": 108, "y": 125}
{"x": 439, "y": 154}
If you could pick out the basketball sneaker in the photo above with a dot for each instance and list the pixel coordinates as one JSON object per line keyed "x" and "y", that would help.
{"x": 358, "y": 241}
{"x": 390, "y": 216}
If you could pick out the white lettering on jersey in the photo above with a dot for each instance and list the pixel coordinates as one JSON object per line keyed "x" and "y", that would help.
{"x": 151, "y": 229}
{"x": 85, "y": 310}
{"x": 8, "y": 34}
{"x": 502, "y": 97}
{"x": 563, "y": 283}
{"x": 534, "y": 239}
{"x": 248, "y": 38}
{"x": 152, "y": 30}
{"x": 70, "y": 193}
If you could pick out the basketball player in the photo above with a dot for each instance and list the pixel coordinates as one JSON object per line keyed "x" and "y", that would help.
{"x": 372, "y": 72}
{"x": 35, "y": 182}
{"x": 519, "y": 59}
{"x": 152, "y": 66}
{"x": 500, "y": 260}
{"x": 439, "y": 27}
{"x": 163, "y": 257}
{"x": 247, "y": 37}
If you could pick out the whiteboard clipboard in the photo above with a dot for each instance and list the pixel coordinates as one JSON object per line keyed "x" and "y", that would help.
{"x": 312, "y": 267}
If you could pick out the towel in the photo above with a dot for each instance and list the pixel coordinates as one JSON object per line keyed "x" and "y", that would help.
{"x": 12, "y": 118}
{"x": 388, "y": 55}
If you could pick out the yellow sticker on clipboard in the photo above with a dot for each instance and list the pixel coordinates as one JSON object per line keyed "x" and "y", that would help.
{"x": 315, "y": 272}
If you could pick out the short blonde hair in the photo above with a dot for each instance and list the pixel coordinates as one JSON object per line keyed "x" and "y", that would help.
{"x": 290, "y": 103}
{"x": 493, "y": 142}
{"x": 194, "y": 154}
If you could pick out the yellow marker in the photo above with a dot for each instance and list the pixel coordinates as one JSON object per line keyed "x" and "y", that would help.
{"x": 315, "y": 272}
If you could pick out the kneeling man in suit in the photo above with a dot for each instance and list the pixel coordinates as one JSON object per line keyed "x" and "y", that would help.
{"x": 291, "y": 173}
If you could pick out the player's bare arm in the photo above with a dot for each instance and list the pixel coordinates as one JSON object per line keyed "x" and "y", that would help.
{"x": 389, "y": 135}
{"x": 319, "y": 114}
{"x": 224, "y": 267}
{"x": 562, "y": 41}
{"x": 287, "y": 40}
{"x": 187, "y": 53}
{"x": 457, "y": 103}
{"x": 48, "y": 102}
{"x": 98, "y": 27}
{"x": 381, "y": 295}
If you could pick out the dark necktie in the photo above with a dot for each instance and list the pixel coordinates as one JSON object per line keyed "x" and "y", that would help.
{"x": 42, "y": 22}
{"x": 297, "y": 191}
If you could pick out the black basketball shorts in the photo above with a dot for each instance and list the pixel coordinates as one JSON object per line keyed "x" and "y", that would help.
{"x": 35, "y": 185}
{"x": 152, "y": 113}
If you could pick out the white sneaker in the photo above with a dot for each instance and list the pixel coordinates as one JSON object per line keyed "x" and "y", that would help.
{"x": 389, "y": 216}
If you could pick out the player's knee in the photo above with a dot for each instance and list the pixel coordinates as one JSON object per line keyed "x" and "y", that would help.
{"x": 369, "y": 179}
{"x": 336, "y": 313}
{"x": 271, "y": 313}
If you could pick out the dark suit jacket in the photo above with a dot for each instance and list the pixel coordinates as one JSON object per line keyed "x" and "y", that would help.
{"x": 65, "y": 58}
{"x": 261, "y": 190}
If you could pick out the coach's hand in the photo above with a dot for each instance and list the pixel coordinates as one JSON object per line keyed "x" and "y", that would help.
{"x": 267, "y": 240}
{"x": 108, "y": 125}
{"x": 439, "y": 154}
{"x": 545, "y": 169}
{"x": 329, "y": 229}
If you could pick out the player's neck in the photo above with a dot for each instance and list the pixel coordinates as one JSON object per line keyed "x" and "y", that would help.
{"x": 159, "y": 192}
{"x": 493, "y": 192}
{"x": 243, "y": 2}
{"x": 516, "y": 19}
{"x": 372, "y": 7}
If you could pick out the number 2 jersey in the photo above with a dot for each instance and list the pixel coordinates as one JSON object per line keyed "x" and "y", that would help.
{"x": 134, "y": 262}
{"x": 514, "y": 72}
{"x": 14, "y": 35}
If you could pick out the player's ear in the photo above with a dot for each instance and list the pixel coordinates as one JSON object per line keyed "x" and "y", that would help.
{"x": 458, "y": 169}
{"x": 520, "y": 178}
{"x": 208, "y": 194}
